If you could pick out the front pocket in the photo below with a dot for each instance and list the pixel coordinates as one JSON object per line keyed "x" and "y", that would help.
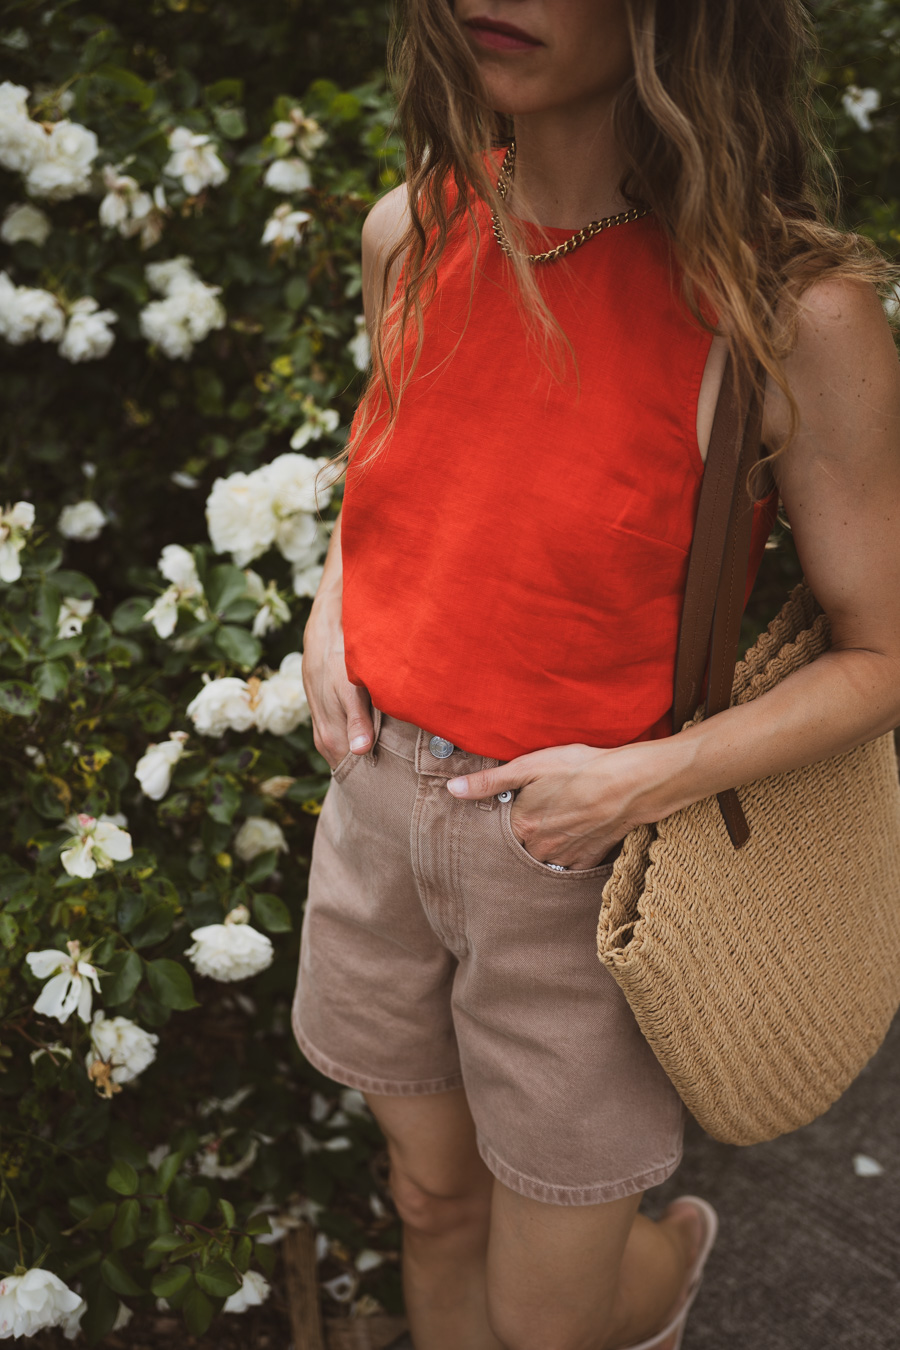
{"x": 603, "y": 870}
{"x": 343, "y": 766}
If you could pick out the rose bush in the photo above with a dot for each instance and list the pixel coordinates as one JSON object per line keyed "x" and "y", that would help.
{"x": 181, "y": 192}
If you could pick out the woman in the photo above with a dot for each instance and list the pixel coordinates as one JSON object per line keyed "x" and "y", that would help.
{"x": 489, "y": 657}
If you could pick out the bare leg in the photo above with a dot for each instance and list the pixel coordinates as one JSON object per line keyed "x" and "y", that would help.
{"x": 592, "y": 1277}
{"x": 442, "y": 1191}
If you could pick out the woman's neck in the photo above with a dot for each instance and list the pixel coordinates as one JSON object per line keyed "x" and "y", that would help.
{"x": 568, "y": 167}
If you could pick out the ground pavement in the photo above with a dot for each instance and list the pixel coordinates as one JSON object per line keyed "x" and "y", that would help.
{"x": 808, "y": 1256}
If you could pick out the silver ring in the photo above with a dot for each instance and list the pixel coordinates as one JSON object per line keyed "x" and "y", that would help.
{"x": 557, "y": 867}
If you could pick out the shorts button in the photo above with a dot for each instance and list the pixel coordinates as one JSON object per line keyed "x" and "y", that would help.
{"x": 505, "y": 796}
{"x": 440, "y": 748}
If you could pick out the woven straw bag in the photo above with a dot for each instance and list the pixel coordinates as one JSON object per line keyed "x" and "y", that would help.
{"x": 757, "y": 937}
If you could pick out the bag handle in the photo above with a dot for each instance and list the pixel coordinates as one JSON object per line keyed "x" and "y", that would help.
{"x": 717, "y": 571}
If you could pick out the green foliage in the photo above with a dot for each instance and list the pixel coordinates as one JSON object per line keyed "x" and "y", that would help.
{"x": 158, "y": 1187}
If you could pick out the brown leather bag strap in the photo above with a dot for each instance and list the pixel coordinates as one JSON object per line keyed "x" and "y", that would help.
{"x": 717, "y": 572}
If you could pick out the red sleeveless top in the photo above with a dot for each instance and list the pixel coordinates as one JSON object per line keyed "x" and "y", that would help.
{"x": 515, "y": 560}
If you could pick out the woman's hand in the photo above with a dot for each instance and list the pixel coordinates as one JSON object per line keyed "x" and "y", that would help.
{"x": 575, "y": 802}
{"x": 341, "y": 711}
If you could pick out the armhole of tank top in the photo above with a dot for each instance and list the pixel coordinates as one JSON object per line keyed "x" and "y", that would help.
{"x": 692, "y": 436}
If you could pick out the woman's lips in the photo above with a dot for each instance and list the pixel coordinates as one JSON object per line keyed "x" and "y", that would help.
{"x": 501, "y": 37}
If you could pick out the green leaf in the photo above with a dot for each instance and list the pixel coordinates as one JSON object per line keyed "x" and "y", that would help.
{"x": 218, "y": 1279}
{"x": 9, "y": 930}
{"x": 262, "y": 866}
{"x": 171, "y": 984}
{"x": 155, "y": 927}
{"x": 125, "y": 1228}
{"x": 231, "y": 122}
{"x": 272, "y": 913}
{"x": 129, "y": 616}
{"x": 168, "y": 1171}
{"x": 243, "y": 1251}
{"x": 198, "y": 1312}
{"x": 224, "y": 584}
{"x": 228, "y": 1213}
{"x": 125, "y": 975}
{"x": 258, "y": 1224}
{"x": 225, "y": 89}
{"x": 195, "y": 1203}
{"x": 102, "y": 1309}
{"x": 166, "y": 1242}
{"x": 50, "y": 679}
{"x": 22, "y": 699}
{"x": 223, "y": 798}
{"x": 131, "y": 87}
{"x": 115, "y": 1273}
{"x": 122, "y": 1177}
{"x": 102, "y": 1216}
{"x": 239, "y": 646}
{"x": 171, "y": 1281}
{"x": 74, "y": 584}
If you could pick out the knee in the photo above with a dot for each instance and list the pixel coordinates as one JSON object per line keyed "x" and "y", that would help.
{"x": 432, "y": 1214}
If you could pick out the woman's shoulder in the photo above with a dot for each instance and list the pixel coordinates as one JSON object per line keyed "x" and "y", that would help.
{"x": 383, "y": 228}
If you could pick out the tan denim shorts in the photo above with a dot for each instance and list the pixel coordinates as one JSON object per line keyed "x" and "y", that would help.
{"x": 437, "y": 953}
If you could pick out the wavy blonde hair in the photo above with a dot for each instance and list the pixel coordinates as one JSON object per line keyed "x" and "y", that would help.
{"x": 719, "y": 138}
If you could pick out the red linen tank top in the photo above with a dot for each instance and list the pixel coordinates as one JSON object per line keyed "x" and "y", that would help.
{"x": 515, "y": 560}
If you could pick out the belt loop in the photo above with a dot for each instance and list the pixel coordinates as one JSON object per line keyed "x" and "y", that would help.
{"x": 372, "y": 754}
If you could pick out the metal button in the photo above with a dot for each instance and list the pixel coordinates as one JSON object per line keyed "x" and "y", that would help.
{"x": 440, "y": 748}
{"x": 505, "y": 796}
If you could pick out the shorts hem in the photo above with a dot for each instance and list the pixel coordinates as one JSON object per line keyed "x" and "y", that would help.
{"x": 533, "y": 1189}
{"x": 382, "y": 1087}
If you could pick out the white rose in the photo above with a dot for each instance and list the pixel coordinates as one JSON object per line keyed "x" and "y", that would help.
{"x": 72, "y": 614}
{"x": 69, "y": 980}
{"x": 286, "y": 227}
{"x": 26, "y": 312}
{"x": 186, "y": 591}
{"x": 859, "y": 103}
{"x": 299, "y": 483}
{"x": 184, "y": 318}
{"x": 94, "y": 844}
{"x": 20, "y": 138}
{"x": 288, "y": 175}
{"x": 222, "y": 705}
{"x": 194, "y": 160}
{"x": 171, "y": 274}
{"x": 258, "y": 835}
{"x": 62, "y": 166}
{"x": 318, "y": 421}
{"x": 128, "y": 1048}
{"x": 306, "y": 579}
{"x": 15, "y": 525}
{"x": 239, "y": 516}
{"x": 254, "y": 1290}
{"x": 88, "y": 335}
{"x": 35, "y": 1302}
{"x": 359, "y": 346}
{"x": 154, "y": 768}
{"x": 281, "y": 700}
{"x": 273, "y": 610}
{"x": 82, "y": 521}
{"x": 302, "y": 539}
{"x": 231, "y": 950}
{"x": 22, "y": 221}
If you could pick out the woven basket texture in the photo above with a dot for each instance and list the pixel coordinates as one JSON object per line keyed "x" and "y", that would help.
{"x": 764, "y": 978}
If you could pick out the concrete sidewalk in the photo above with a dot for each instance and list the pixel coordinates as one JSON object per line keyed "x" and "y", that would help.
{"x": 808, "y": 1256}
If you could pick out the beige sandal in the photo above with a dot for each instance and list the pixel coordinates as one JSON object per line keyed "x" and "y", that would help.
{"x": 671, "y": 1335}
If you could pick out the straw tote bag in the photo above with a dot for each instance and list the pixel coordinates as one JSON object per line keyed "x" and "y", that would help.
{"x": 757, "y": 936}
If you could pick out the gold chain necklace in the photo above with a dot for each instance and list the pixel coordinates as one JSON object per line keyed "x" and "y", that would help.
{"x": 568, "y": 245}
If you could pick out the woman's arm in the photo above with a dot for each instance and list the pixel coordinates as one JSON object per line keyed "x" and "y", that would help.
{"x": 840, "y": 483}
{"x": 341, "y": 712}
